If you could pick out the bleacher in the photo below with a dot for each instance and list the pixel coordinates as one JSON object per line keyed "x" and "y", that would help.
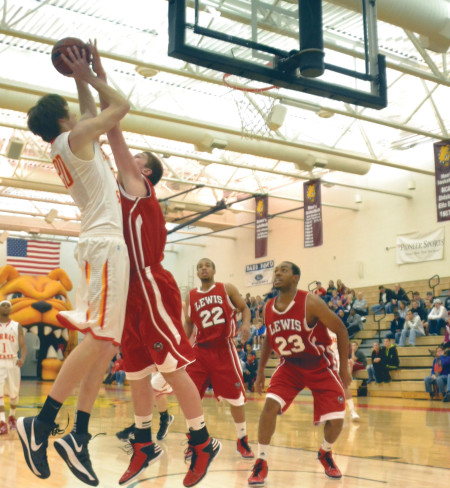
{"x": 415, "y": 362}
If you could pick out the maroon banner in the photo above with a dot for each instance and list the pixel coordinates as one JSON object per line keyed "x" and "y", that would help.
{"x": 312, "y": 212}
{"x": 442, "y": 175}
{"x": 261, "y": 226}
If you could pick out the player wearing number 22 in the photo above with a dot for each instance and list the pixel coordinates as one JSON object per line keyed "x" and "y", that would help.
{"x": 297, "y": 330}
{"x": 211, "y": 309}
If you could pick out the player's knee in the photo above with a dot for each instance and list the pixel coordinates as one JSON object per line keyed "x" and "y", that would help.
{"x": 271, "y": 408}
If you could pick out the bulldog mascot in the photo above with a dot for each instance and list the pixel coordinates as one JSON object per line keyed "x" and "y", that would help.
{"x": 36, "y": 300}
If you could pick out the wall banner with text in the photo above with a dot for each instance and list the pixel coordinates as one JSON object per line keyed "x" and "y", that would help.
{"x": 259, "y": 273}
{"x": 442, "y": 175}
{"x": 420, "y": 246}
{"x": 261, "y": 226}
{"x": 312, "y": 213}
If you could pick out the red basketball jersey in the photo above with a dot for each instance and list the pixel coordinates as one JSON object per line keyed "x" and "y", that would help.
{"x": 213, "y": 313}
{"x": 144, "y": 228}
{"x": 291, "y": 337}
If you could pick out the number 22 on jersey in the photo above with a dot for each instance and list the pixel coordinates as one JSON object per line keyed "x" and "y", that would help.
{"x": 212, "y": 317}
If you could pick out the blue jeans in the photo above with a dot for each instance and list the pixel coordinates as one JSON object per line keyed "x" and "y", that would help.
{"x": 120, "y": 377}
{"x": 441, "y": 381}
{"x": 371, "y": 373}
{"x": 413, "y": 333}
{"x": 436, "y": 325}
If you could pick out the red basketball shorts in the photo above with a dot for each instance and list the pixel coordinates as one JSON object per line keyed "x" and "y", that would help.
{"x": 326, "y": 387}
{"x": 153, "y": 338}
{"x": 219, "y": 366}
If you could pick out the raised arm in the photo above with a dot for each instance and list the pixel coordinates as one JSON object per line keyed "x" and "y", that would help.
{"x": 88, "y": 130}
{"x": 88, "y": 109}
{"x": 240, "y": 304}
{"x": 129, "y": 176}
{"x": 317, "y": 310}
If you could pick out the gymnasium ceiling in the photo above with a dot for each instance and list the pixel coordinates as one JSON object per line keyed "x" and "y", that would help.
{"x": 349, "y": 147}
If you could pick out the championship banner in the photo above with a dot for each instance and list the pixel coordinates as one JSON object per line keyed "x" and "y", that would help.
{"x": 312, "y": 211}
{"x": 259, "y": 273}
{"x": 261, "y": 226}
{"x": 420, "y": 246}
{"x": 442, "y": 175}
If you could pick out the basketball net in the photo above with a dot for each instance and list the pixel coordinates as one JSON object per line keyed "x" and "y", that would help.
{"x": 253, "y": 107}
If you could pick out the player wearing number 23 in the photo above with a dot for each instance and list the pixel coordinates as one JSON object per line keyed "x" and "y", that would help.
{"x": 297, "y": 331}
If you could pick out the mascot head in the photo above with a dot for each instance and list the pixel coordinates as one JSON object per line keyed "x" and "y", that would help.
{"x": 35, "y": 301}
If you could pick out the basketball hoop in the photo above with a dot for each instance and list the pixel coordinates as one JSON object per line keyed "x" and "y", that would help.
{"x": 253, "y": 107}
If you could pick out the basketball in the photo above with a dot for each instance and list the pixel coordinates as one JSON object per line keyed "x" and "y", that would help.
{"x": 61, "y": 48}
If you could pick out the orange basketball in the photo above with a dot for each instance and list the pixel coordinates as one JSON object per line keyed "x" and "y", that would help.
{"x": 61, "y": 48}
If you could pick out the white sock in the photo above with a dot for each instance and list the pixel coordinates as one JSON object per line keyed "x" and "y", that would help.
{"x": 143, "y": 422}
{"x": 263, "y": 451}
{"x": 2, "y": 417}
{"x": 351, "y": 404}
{"x": 241, "y": 429}
{"x": 12, "y": 412}
{"x": 326, "y": 446}
{"x": 197, "y": 423}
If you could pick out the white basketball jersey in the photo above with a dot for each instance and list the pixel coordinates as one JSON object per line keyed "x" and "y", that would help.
{"x": 9, "y": 340}
{"x": 92, "y": 186}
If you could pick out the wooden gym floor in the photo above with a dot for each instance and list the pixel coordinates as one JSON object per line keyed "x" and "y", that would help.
{"x": 398, "y": 442}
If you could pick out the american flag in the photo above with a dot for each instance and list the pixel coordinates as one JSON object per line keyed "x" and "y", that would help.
{"x": 32, "y": 257}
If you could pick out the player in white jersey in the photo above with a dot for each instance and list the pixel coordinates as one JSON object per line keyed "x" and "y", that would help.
{"x": 11, "y": 337}
{"x": 102, "y": 257}
{"x": 347, "y": 393}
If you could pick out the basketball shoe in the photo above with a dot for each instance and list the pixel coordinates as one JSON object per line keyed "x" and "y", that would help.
{"x": 244, "y": 449}
{"x": 3, "y": 428}
{"x": 144, "y": 454}
{"x": 259, "y": 473}
{"x": 201, "y": 458}
{"x": 33, "y": 435}
{"x": 12, "y": 422}
{"x": 327, "y": 461}
{"x": 124, "y": 434}
{"x": 73, "y": 449}
{"x": 164, "y": 425}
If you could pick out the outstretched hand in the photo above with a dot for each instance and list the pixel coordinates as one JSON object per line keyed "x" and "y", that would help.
{"x": 97, "y": 66}
{"x": 77, "y": 61}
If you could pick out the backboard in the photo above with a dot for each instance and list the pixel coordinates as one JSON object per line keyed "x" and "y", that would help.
{"x": 279, "y": 43}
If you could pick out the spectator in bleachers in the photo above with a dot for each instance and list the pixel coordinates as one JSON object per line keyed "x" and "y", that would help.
{"x": 421, "y": 312}
{"x": 402, "y": 308}
{"x": 341, "y": 314}
{"x": 259, "y": 334}
{"x": 440, "y": 375}
{"x": 420, "y": 301}
{"x": 331, "y": 287}
{"x": 358, "y": 358}
{"x": 360, "y": 305}
{"x": 377, "y": 370}
{"x": 354, "y": 323}
{"x": 249, "y": 370}
{"x": 242, "y": 354}
{"x": 437, "y": 318}
{"x": 447, "y": 301}
{"x": 346, "y": 304}
{"x": 247, "y": 299}
{"x": 384, "y": 301}
{"x": 413, "y": 328}
{"x": 341, "y": 288}
{"x": 392, "y": 360}
{"x": 399, "y": 294}
{"x": 320, "y": 290}
{"x": 430, "y": 296}
{"x": 396, "y": 328}
{"x": 259, "y": 307}
{"x": 335, "y": 299}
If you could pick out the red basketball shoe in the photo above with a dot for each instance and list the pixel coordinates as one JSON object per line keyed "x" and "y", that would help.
{"x": 244, "y": 449}
{"x": 202, "y": 455}
{"x": 3, "y": 428}
{"x": 144, "y": 454}
{"x": 259, "y": 473}
{"x": 12, "y": 422}
{"x": 331, "y": 470}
